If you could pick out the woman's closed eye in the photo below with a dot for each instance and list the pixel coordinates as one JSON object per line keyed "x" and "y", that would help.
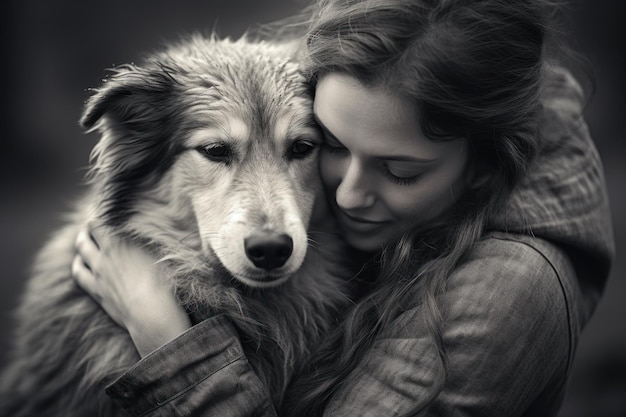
{"x": 402, "y": 172}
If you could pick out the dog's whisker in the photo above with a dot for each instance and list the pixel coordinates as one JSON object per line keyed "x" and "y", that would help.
{"x": 313, "y": 243}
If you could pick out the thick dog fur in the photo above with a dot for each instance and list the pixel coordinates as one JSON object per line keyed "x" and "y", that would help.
{"x": 203, "y": 145}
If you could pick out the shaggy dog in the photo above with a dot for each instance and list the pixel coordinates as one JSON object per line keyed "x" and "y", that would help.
{"x": 207, "y": 157}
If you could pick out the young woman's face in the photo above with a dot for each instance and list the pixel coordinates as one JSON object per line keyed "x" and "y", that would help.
{"x": 382, "y": 175}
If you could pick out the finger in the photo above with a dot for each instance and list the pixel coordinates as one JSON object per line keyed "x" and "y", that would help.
{"x": 87, "y": 249}
{"x": 82, "y": 275}
{"x": 93, "y": 234}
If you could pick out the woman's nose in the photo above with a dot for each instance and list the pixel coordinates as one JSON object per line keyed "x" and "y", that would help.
{"x": 354, "y": 190}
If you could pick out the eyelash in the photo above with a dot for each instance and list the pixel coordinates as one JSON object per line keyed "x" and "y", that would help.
{"x": 400, "y": 180}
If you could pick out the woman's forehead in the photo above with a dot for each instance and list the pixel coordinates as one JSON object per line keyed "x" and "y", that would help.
{"x": 373, "y": 120}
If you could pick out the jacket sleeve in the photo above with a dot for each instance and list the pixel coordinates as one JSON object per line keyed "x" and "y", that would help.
{"x": 506, "y": 339}
{"x": 203, "y": 372}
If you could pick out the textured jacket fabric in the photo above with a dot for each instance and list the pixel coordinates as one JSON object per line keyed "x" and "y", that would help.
{"x": 514, "y": 310}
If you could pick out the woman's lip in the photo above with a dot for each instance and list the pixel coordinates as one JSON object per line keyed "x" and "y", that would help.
{"x": 362, "y": 220}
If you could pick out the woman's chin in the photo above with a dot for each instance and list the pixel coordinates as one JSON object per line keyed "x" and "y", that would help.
{"x": 364, "y": 243}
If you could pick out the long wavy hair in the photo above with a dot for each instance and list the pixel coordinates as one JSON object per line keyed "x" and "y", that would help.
{"x": 475, "y": 70}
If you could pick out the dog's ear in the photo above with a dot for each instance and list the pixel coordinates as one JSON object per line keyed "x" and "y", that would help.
{"x": 136, "y": 113}
{"x": 128, "y": 97}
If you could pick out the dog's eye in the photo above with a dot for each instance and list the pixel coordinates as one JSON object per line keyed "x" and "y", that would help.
{"x": 301, "y": 149}
{"x": 217, "y": 152}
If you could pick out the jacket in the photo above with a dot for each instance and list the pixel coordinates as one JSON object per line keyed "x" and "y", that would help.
{"x": 514, "y": 310}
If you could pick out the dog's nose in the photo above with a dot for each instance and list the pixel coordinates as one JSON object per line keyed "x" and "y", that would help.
{"x": 268, "y": 250}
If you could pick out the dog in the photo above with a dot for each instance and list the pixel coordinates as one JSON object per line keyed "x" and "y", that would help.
{"x": 207, "y": 156}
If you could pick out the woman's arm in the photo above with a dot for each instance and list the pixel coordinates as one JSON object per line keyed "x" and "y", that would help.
{"x": 129, "y": 285}
{"x": 184, "y": 371}
{"x": 506, "y": 340}
{"x": 203, "y": 372}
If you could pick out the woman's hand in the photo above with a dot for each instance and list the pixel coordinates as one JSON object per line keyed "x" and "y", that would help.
{"x": 129, "y": 285}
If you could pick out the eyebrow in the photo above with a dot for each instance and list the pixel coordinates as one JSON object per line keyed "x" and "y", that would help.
{"x": 400, "y": 158}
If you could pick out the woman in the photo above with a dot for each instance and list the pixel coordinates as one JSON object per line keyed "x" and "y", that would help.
{"x": 457, "y": 159}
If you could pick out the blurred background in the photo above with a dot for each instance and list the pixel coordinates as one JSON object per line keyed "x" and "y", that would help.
{"x": 54, "y": 50}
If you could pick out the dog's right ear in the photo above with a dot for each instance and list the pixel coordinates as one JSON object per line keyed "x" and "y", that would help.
{"x": 128, "y": 95}
{"x": 136, "y": 113}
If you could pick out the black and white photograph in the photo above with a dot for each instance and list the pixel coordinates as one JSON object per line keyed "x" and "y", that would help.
{"x": 313, "y": 208}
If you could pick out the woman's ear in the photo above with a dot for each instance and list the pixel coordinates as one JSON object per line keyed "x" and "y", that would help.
{"x": 477, "y": 182}
{"x": 475, "y": 177}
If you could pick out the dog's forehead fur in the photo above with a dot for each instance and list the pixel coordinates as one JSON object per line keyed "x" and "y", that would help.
{"x": 255, "y": 82}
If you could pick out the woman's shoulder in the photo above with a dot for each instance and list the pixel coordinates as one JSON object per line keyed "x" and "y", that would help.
{"x": 512, "y": 274}
{"x": 506, "y": 281}
{"x": 506, "y": 318}
{"x": 506, "y": 325}
{"x": 512, "y": 287}
{"x": 507, "y": 260}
